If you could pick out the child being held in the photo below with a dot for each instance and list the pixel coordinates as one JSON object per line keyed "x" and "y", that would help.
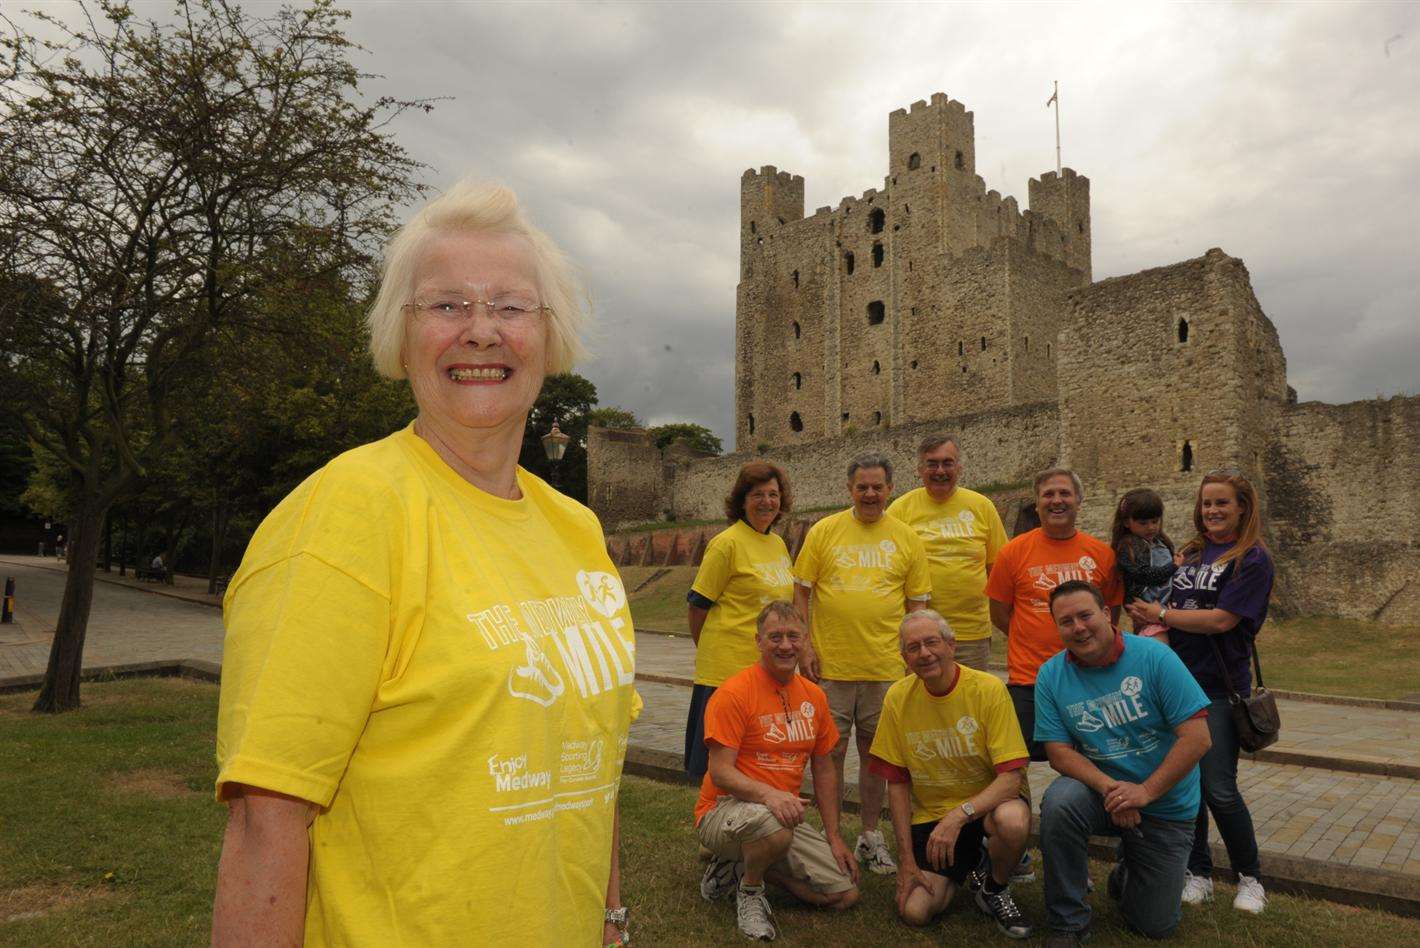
{"x": 1143, "y": 552}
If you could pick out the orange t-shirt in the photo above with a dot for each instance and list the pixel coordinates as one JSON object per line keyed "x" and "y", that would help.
{"x": 1025, "y": 571}
{"x": 775, "y": 727}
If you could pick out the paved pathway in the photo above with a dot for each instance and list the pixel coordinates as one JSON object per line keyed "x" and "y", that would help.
{"x": 1362, "y": 821}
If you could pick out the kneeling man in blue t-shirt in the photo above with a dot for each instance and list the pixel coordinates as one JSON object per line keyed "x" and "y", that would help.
{"x": 1125, "y": 724}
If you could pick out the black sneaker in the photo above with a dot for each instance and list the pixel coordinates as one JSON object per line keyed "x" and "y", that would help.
{"x": 1002, "y": 907}
{"x": 977, "y": 877}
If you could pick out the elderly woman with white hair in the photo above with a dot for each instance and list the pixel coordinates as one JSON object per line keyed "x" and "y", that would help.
{"x": 427, "y": 677}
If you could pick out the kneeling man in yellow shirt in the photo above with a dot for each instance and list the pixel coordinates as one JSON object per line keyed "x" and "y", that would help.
{"x": 955, "y": 763}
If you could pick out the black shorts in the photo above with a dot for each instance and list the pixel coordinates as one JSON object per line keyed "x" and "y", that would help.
{"x": 1023, "y": 700}
{"x": 971, "y": 844}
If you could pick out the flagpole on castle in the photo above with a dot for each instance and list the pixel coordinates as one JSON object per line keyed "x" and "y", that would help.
{"x": 1055, "y": 100}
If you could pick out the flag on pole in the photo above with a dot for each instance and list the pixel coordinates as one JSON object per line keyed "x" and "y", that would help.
{"x": 1053, "y": 96}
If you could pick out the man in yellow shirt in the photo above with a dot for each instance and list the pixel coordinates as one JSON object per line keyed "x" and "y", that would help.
{"x": 962, "y": 533}
{"x": 950, "y": 748}
{"x": 858, "y": 573}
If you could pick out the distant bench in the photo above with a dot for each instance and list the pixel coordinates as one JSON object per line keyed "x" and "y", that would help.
{"x": 148, "y": 574}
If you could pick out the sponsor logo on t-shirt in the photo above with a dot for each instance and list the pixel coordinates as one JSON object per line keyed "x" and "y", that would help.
{"x": 581, "y": 760}
{"x": 807, "y": 709}
{"x": 511, "y": 773}
{"x": 779, "y": 727}
{"x": 960, "y": 527}
{"x": 1047, "y": 577}
{"x": 603, "y": 591}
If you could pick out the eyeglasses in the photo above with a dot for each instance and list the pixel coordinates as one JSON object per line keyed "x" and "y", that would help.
{"x": 946, "y": 465}
{"x": 503, "y": 309}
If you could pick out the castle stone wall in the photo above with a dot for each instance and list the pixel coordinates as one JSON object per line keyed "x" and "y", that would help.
{"x": 1001, "y": 447}
{"x": 626, "y": 476}
{"x": 1345, "y": 507}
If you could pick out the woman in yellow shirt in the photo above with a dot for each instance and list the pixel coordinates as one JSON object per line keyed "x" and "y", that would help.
{"x": 428, "y": 670}
{"x": 745, "y": 566}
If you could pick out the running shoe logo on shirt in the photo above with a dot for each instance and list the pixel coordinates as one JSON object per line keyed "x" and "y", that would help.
{"x": 871, "y": 555}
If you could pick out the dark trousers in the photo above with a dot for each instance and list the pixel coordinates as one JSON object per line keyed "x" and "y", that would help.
{"x": 697, "y": 755}
{"x": 1023, "y": 700}
{"x": 1218, "y": 771}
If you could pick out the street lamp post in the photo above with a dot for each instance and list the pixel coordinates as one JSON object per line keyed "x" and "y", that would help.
{"x": 555, "y": 443}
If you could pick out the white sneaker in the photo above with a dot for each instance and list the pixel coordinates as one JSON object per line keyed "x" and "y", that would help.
{"x": 872, "y": 851}
{"x": 1250, "y": 898}
{"x": 755, "y": 917}
{"x": 1196, "y": 889}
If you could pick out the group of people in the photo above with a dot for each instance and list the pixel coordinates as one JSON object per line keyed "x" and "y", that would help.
{"x": 429, "y": 666}
{"x": 880, "y": 630}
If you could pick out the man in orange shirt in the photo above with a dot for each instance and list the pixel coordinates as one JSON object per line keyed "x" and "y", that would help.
{"x": 762, "y": 726}
{"x": 1027, "y": 569}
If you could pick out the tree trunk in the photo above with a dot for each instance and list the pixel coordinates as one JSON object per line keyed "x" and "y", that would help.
{"x": 219, "y": 538}
{"x": 66, "y": 655}
{"x": 108, "y": 544}
{"x": 123, "y": 547}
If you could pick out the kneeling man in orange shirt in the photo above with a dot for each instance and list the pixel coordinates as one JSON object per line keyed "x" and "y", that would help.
{"x": 762, "y": 726}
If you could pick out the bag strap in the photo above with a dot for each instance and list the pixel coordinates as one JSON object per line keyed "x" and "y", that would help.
{"x": 1228, "y": 679}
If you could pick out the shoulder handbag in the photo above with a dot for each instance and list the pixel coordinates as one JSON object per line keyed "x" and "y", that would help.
{"x": 1255, "y": 716}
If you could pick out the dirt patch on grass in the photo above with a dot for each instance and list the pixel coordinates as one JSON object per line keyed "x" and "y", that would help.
{"x": 155, "y": 784}
{"x": 36, "y": 901}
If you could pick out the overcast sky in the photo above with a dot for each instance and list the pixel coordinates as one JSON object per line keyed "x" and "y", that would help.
{"x": 1288, "y": 135}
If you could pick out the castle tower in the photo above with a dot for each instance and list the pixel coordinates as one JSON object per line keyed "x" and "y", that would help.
{"x": 1065, "y": 199}
{"x": 932, "y": 170}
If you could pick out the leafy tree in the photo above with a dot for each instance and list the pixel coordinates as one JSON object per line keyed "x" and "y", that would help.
{"x": 610, "y": 416}
{"x": 688, "y": 433}
{"x": 156, "y": 178}
{"x": 566, "y": 399}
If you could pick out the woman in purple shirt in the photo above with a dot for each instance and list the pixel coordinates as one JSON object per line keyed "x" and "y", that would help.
{"x": 1219, "y": 598}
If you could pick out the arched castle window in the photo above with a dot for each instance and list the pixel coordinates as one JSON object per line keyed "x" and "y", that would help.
{"x": 877, "y": 417}
{"x": 877, "y": 368}
{"x": 1187, "y": 460}
{"x": 959, "y": 161}
{"x": 914, "y": 161}
{"x": 914, "y": 363}
{"x": 796, "y": 278}
{"x": 797, "y": 331}
{"x": 876, "y": 312}
{"x": 848, "y": 262}
{"x": 795, "y": 422}
{"x": 1182, "y": 329}
{"x": 983, "y": 343}
{"x": 878, "y": 254}
{"x": 753, "y": 229}
{"x": 1079, "y": 227}
{"x": 961, "y": 348}
{"x": 876, "y": 221}
{"x": 1047, "y": 350}
{"x": 751, "y": 424}
{"x": 1026, "y": 340}
{"x": 798, "y": 380}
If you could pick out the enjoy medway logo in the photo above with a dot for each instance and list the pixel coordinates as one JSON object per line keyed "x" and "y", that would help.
{"x": 511, "y": 773}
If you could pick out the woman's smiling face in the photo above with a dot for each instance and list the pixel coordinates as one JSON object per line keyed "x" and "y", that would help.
{"x": 475, "y": 369}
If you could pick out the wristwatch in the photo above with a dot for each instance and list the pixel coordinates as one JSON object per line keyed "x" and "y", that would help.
{"x": 617, "y": 917}
{"x": 969, "y": 810}
{"x": 1163, "y": 611}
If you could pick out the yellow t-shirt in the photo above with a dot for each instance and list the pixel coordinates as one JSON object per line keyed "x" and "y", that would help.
{"x": 741, "y": 571}
{"x": 953, "y": 745}
{"x": 862, "y": 576}
{"x": 962, "y": 537}
{"x": 448, "y": 675}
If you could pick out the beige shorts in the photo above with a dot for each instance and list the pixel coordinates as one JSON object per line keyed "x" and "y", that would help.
{"x": 855, "y": 705}
{"x": 974, "y": 654}
{"x": 734, "y": 822}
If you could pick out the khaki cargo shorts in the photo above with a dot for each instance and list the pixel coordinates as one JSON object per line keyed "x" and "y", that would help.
{"x": 733, "y": 822}
{"x": 855, "y": 705}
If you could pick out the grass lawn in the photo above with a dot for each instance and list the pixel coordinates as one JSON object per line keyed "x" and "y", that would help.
{"x": 109, "y": 836}
{"x": 1317, "y": 654}
{"x": 660, "y": 878}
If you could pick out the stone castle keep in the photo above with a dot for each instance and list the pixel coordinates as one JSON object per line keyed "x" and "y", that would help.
{"x": 936, "y": 304}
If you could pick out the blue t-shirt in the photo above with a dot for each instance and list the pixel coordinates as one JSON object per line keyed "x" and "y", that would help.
{"x": 1241, "y": 586}
{"x": 1122, "y": 716}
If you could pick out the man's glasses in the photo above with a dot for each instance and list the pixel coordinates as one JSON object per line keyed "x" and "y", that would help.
{"x": 939, "y": 465}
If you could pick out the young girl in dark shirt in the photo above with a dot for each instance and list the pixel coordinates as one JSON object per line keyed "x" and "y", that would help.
{"x": 1143, "y": 553}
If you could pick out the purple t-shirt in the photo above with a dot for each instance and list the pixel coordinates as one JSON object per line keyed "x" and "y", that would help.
{"x": 1242, "y": 587}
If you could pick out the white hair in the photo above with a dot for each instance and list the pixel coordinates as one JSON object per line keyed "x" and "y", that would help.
{"x": 943, "y": 626}
{"x": 472, "y": 206}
